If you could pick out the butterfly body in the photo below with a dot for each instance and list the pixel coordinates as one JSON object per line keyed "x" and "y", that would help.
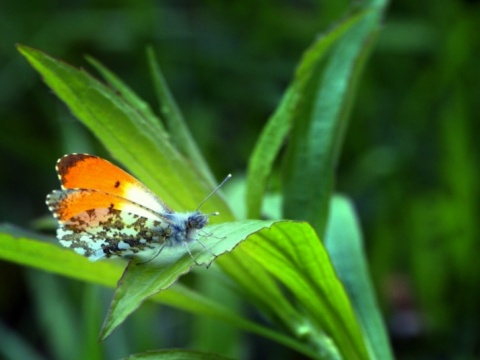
{"x": 185, "y": 227}
{"x": 105, "y": 212}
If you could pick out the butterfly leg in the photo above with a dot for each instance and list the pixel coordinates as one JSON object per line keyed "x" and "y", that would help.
{"x": 206, "y": 248}
{"x": 190, "y": 253}
{"x": 158, "y": 253}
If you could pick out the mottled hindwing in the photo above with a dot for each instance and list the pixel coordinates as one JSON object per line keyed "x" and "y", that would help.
{"x": 97, "y": 224}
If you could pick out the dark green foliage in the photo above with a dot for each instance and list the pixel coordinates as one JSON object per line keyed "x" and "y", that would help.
{"x": 397, "y": 102}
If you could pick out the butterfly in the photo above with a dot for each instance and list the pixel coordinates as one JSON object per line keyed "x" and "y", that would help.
{"x": 105, "y": 212}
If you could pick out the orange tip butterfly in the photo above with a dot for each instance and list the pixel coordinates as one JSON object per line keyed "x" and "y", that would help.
{"x": 105, "y": 212}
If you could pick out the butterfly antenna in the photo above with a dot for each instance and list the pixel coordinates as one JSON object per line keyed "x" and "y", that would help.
{"x": 228, "y": 177}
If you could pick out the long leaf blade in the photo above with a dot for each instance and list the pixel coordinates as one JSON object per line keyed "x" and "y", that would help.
{"x": 294, "y": 255}
{"x": 139, "y": 143}
{"x": 344, "y": 244}
{"x": 17, "y": 245}
{"x": 279, "y": 125}
{"x": 127, "y": 93}
{"x": 320, "y": 123}
{"x": 181, "y": 136}
{"x": 141, "y": 281}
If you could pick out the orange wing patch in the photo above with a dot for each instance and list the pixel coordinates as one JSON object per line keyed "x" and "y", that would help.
{"x": 66, "y": 204}
{"x": 82, "y": 171}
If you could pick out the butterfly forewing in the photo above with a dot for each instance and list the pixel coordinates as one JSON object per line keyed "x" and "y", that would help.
{"x": 91, "y": 172}
{"x": 65, "y": 204}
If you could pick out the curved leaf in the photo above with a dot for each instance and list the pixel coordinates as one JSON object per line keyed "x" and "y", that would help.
{"x": 143, "y": 280}
{"x": 18, "y": 246}
{"x": 279, "y": 125}
{"x": 181, "y": 136}
{"x": 293, "y": 253}
{"x": 128, "y": 94}
{"x": 138, "y": 142}
{"x": 321, "y": 120}
{"x": 345, "y": 246}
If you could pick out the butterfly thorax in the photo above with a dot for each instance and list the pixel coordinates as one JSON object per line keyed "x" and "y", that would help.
{"x": 185, "y": 227}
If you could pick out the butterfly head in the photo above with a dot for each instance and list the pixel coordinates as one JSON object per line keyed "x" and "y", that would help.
{"x": 196, "y": 221}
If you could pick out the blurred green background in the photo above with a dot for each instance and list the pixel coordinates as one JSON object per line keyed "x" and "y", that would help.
{"x": 409, "y": 160}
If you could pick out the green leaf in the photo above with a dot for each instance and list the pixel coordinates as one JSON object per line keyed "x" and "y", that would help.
{"x": 292, "y": 253}
{"x": 279, "y": 125}
{"x": 139, "y": 143}
{"x": 62, "y": 338}
{"x": 15, "y": 246}
{"x": 177, "y": 355}
{"x": 320, "y": 120}
{"x": 261, "y": 289}
{"x": 289, "y": 251}
{"x": 209, "y": 334}
{"x": 179, "y": 132}
{"x": 53, "y": 258}
{"x": 345, "y": 246}
{"x": 196, "y": 303}
{"x": 275, "y": 248}
{"x": 91, "y": 313}
{"x": 128, "y": 94}
{"x": 143, "y": 280}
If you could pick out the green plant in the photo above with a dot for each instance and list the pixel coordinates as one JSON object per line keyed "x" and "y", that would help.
{"x": 322, "y": 302}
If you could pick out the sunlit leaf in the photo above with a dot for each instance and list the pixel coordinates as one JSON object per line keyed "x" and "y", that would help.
{"x": 292, "y": 253}
{"x": 19, "y": 246}
{"x": 143, "y": 280}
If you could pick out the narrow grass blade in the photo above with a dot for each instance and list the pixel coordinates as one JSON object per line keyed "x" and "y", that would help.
{"x": 279, "y": 125}
{"x": 345, "y": 246}
{"x": 177, "y": 127}
{"x": 320, "y": 122}
{"x": 128, "y": 94}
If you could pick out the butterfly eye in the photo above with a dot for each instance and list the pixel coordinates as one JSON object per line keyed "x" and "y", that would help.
{"x": 197, "y": 221}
